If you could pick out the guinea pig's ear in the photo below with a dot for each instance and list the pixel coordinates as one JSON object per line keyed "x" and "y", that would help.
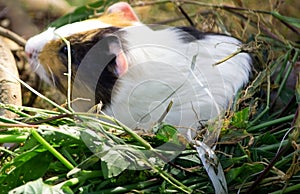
{"x": 125, "y": 9}
{"x": 115, "y": 48}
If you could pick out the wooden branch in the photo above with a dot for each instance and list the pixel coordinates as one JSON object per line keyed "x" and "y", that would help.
{"x": 12, "y": 36}
{"x": 10, "y": 89}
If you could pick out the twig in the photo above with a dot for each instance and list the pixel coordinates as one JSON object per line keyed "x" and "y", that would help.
{"x": 50, "y": 119}
{"x": 13, "y": 36}
{"x": 183, "y": 12}
{"x": 261, "y": 26}
{"x": 10, "y": 125}
{"x": 174, "y": 19}
{"x": 291, "y": 27}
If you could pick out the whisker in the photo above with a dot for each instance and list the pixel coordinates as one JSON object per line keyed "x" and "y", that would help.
{"x": 52, "y": 76}
{"x": 34, "y": 66}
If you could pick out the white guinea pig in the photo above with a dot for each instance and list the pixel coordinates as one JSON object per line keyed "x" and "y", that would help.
{"x": 137, "y": 70}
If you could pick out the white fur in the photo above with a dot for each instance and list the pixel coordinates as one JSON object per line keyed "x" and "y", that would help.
{"x": 77, "y": 27}
{"x": 161, "y": 70}
{"x": 161, "y": 64}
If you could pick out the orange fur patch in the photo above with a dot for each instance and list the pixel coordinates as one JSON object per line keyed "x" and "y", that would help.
{"x": 115, "y": 19}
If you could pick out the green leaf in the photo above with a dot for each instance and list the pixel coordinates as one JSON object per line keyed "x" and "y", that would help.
{"x": 83, "y": 13}
{"x": 115, "y": 158}
{"x": 25, "y": 167}
{"x": 268, "y": 139}
{"x": 243, "y": 173}
{"x": 167, "y": 133}
{"x": 113, "y": 163}
{"x": 36, "y": 186}
{"x": 292, "y": 21}
{"x": 240, "y": 119}
{"x": 122, "y": 157}
{"x": 234, "y": 136}
{"x": 189, "y": 159}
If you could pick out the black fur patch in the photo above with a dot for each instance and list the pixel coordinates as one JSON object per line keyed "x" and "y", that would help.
{"x": 80, "y": 46}
{"x": 190, "y": 34}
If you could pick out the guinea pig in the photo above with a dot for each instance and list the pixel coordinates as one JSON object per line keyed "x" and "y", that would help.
{"x": 142, "y": 74}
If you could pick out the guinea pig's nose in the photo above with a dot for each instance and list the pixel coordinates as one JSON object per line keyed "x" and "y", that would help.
{"x": 28, "y": 54}
{"x": 29, "y": 51}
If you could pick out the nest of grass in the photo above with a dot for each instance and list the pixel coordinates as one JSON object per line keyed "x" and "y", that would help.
{"x": 62, "y": 151}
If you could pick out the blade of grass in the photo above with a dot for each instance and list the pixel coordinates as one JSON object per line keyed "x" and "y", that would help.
{"x": 134, "y": 135}
{"x": 266, "y": 109}
{"x": 68, "y": 156}
{"x": 81, "y": 177}
{"x": 13, "y": 138}
{"x": 172, "y": 180}
{"x": 14, "y": 109}
{"x": 7, "y": 120}
{"x": 286, "y": 76}
{"x": 51, "y": 149}
{"x": 288, "y": 189}
{"x": 283, "y": 66}
{"x": 19, "y": 109}
{"x": 128, "y": 188}
{"x": 7, "y": 151}
{"x": 270, "y": 123}
{"x": 69, "y": 73}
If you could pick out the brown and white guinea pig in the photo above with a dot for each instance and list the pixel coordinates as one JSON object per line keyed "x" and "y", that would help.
{"x": 136, "y": 70}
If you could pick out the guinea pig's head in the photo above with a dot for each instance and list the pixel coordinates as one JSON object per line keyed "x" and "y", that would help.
{"x": 48, "y": 52}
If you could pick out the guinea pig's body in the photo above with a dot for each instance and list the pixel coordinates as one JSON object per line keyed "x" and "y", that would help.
{"x": 136, "y": 71}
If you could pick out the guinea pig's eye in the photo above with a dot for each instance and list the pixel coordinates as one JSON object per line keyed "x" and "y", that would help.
{"x": 64, "y": 50}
